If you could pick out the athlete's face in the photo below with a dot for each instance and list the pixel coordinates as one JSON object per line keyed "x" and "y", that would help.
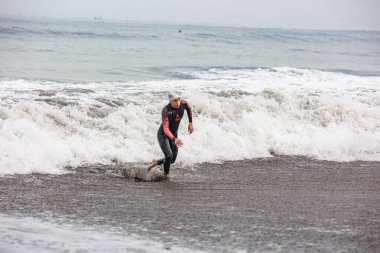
{"x": 175, "y": 103}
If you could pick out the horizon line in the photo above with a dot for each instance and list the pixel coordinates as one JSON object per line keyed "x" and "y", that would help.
{"x": 98, "y": 18}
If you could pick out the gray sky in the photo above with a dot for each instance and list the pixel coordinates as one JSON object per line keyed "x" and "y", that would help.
{"x": 314, "y": 14}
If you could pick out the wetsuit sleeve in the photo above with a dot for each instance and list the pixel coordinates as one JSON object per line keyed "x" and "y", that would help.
{"x": 188, "y": 110}
{"x": 165, "y": 124}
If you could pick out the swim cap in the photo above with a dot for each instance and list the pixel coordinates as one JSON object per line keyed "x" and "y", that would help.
{"x": 173, "y": 95}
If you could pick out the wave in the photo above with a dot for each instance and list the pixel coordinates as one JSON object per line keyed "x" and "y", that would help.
{"x": 65, "y": 33}
{"x": 238, "y": 114}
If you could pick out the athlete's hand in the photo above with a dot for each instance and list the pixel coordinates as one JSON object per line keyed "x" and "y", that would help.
{"x": 190, "y": 128}
{"x": 178, "y": 142}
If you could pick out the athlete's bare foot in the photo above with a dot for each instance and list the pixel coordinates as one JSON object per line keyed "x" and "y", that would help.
{"x": 152, "y": 164}
{"x": 166, "y": 176}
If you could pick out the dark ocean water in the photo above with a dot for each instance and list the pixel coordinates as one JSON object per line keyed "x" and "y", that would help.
{"x": 97, "y": 50}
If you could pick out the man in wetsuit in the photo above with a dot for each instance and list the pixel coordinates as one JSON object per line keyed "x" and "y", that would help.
{"x": 167, "y": 134}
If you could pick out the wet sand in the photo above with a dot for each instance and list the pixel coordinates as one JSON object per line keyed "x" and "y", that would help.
{"x": 270, "y": 204}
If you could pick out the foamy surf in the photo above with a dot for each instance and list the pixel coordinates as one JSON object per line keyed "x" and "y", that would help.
{"x": 33, "y": 235}
{"x": 238, "y": 114}
{"x": 138, "y": 172}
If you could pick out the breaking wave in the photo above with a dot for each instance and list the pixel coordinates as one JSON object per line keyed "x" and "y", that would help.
{"x": 238, "y": 114}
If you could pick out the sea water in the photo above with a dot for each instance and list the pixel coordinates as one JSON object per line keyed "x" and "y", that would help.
{"x": 76, "y": 92}
{"x": 33, "y": 235}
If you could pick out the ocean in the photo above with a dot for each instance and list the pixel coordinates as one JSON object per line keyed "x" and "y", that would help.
{"x": 77, "y": 92}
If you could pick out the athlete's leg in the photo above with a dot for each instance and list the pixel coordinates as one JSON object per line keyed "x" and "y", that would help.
{"x": 174, "y": 149}
{"x": 168, "y": 158}
{"x": 165, "y": 146}
{"x": 160, "y": 161}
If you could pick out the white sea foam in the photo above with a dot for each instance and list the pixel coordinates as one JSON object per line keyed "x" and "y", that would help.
{"x": 33, "y": 235}
{"x": 238, "y": 114}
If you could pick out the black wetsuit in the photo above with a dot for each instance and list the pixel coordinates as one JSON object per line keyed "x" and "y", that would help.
{"x": 168, "y": 131}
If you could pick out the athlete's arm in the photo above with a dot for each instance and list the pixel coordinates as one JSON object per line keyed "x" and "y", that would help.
{"x": 165, "y": 124}
{"x": 188, "y": 110}
{"x": 190, "y": 115}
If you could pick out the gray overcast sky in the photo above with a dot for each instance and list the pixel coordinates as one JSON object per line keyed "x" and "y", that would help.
{"x": 315, "y": 14}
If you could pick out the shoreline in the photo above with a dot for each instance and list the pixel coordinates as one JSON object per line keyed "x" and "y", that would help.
{"x": 279, "y": 203}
